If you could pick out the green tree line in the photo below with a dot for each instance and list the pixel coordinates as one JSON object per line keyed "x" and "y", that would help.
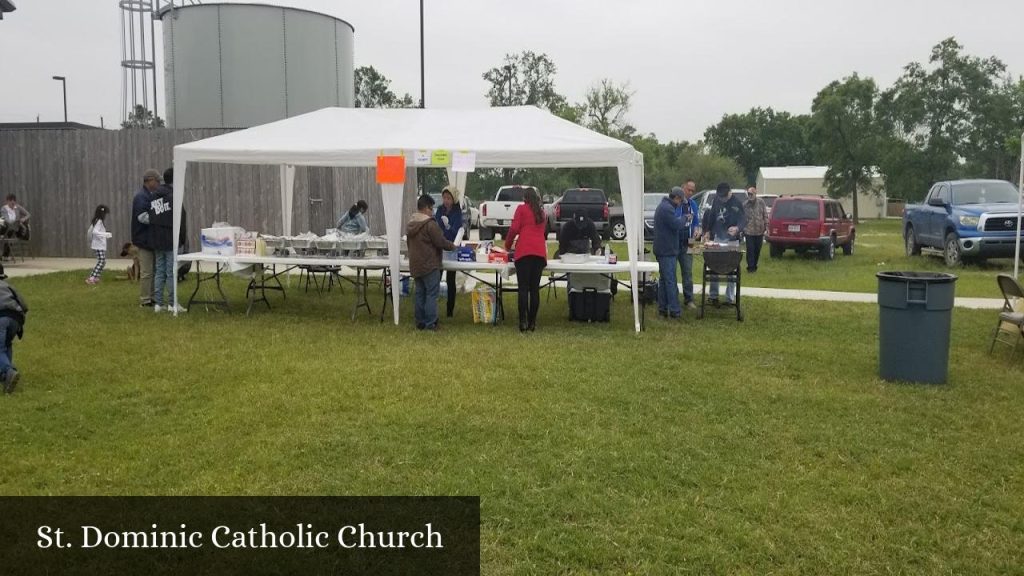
{"x": 954, "y": 116}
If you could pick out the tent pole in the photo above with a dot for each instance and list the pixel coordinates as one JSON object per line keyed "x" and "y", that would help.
{"x": 1020, "y": 211}
{"x": 178, "y": 201}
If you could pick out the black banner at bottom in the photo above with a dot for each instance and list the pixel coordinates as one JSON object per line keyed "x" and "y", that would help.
{"x": 230, "y": 535}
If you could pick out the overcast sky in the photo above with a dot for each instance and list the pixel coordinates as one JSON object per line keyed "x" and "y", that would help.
{"x": 688, "y": 61}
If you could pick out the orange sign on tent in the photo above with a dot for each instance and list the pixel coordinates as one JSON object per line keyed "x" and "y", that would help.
{"x": 390, "y": 169}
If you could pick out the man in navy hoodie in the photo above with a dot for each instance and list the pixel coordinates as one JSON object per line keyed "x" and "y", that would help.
{"x": 667, "y": 227}
{"x": 161, "y": 240}
{"x": 140, "y": 234}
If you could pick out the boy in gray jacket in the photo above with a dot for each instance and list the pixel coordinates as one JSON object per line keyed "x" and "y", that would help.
{"x": 12, "y": 322}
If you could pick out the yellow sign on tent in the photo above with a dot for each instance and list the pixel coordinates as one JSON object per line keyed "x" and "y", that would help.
{"x": 440, "y": 158}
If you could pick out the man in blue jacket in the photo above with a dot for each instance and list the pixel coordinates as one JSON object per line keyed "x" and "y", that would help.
{"x": 667, "y": 228}
{"x": 687, "y": 212}
{"x": 140, "y": 234}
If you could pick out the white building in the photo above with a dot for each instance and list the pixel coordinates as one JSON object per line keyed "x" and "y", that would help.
{"x": 810, "y": 180}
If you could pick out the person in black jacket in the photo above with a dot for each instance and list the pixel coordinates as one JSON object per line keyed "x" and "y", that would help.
{"x": 578, "y": 236}
{"x": 724, "y": 222}
{"x": 12, "y": 322}
{"x": 161, "y": 239}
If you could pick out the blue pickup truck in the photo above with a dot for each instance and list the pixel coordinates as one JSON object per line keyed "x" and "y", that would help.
{"x": 969, "y": 220}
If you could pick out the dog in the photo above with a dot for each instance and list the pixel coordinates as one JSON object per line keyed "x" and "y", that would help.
{"x": 127, "y": 250}
{"x": 133, "y": 271}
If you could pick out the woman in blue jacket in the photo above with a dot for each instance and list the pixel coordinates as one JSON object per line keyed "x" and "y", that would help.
{"x": 449, "y": 217}
{"x": 353, "y": 221}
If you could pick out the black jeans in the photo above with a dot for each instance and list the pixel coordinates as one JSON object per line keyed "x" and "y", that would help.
{"x": 753, "y": 251}
{"x": 449, "y": 277}
{"x": 528, "y": 272}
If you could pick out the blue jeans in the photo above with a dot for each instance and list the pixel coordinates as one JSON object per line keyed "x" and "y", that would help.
{"x": 163, "y": 274}
{"x": 668, "y": 289}
{"x": 428, "y": 287}
{"x": 9, "y": 328}
{"x": 686, "y": 263}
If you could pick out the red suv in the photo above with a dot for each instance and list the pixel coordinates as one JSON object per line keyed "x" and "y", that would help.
{"x": 810, "y": 223}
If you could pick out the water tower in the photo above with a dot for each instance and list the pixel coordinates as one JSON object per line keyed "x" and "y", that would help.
{"x": 240, "y": 65}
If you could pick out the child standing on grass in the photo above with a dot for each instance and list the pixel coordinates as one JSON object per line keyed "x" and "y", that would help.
{"x": 98, "y": 241}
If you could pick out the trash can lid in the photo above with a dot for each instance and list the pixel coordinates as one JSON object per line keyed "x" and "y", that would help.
{"x": 926, "y": 277}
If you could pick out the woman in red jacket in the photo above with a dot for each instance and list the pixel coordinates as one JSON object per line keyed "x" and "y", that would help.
{"x": 527, "y": 236}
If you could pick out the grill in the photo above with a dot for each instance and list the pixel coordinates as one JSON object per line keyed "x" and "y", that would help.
{"x": 1001, "y": 223}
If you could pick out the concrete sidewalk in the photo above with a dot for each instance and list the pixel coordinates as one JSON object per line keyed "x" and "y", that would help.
{"x": 34, "y": 266}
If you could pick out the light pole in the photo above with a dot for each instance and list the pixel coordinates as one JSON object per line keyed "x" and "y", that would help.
{"x": 423, "y": 96}
{"x": 64, "y": 84}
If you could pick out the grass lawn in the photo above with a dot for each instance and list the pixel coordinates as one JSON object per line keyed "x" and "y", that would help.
{"x": 712, "y": 446}
{"x": 879, "y": 247}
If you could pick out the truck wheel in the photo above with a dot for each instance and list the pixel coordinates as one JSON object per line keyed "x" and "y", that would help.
{"x": 486, "y": 233}
{"x": 775, "y": 250}
{"x": 913, "y": 248}
{"x": 618, "y": 230}
{"x": 848, "y": 247}
{"x": 951, "y": 252}
{"x": 828, "y": 251}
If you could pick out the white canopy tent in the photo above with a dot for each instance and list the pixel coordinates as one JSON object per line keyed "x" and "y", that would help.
{"x": 514, "y": 137}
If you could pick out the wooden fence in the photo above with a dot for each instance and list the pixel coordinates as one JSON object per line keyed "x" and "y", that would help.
{"x": 60, "y": 176}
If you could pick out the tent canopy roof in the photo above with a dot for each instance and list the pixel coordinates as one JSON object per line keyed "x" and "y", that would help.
{"x": 522, "y": 136}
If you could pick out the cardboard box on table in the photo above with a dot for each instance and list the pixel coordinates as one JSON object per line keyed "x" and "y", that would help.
{"x": 221, "y": 241}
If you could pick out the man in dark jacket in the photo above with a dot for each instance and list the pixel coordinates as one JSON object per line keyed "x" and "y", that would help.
{"x": 667, "y": 227}
{"x": 140, "y": 234}
{"x": 578, "y": 236}
{"x": 723, "y": 222}
{"x": 426, "y": 241}
{"x": 12, "y": 322}
{"x": 161, "y": 242}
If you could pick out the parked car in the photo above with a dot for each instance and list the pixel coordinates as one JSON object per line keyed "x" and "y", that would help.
{"x": 616, "y": 222}
{"x": 549, "y": 215}
{"x": 769, "y": 200}
{"x": 651, "y": 201}
{"x": 966, "y": 219}
{"x": 592, "y": 202}
{"x": 469, "y": 210}
{"x": 810, "y": 223}
{"x": 496, "y": 215}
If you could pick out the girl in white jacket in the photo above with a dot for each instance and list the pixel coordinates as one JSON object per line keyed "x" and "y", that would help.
{"x": 98, "y": 242}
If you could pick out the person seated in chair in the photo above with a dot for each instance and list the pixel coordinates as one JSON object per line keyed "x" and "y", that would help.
{"x": 578, "y": 236}
{"x": 15, "y": 221}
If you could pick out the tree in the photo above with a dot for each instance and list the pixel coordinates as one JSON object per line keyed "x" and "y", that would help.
{"x": 373, "y": 90}
{"x": 949, "y": 118}
{"x": 525, "y": 79}
{"x": 706, "y": 169}
{"x": 605, "y": 107}
{"x": 142, "y": 117}
{"x": 843, "y": 125}
{"x": 762, "y": 137}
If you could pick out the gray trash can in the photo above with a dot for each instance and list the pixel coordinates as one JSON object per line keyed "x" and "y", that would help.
{"x": 915, "y": 310}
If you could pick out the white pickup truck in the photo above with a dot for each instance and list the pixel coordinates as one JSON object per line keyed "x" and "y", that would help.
{"x": 496, "y": 215}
